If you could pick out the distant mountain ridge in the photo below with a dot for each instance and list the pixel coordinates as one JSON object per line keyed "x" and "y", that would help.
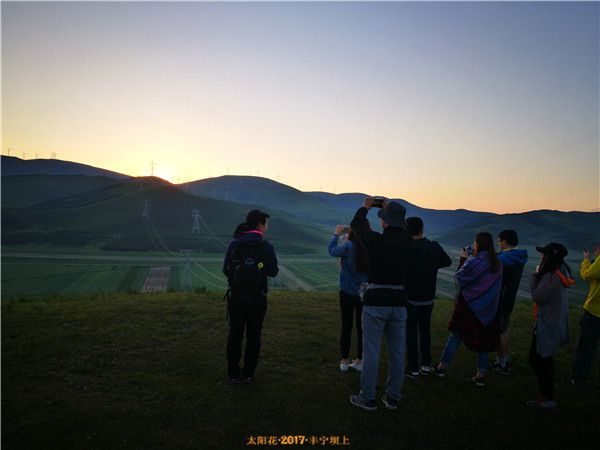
{"x": 317, "y": 211}
{"x": 12, "y": 166}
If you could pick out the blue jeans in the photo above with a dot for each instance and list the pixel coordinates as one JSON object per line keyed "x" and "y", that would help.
{"x": 452, "y": 345}
{"x": 378, "y": 321}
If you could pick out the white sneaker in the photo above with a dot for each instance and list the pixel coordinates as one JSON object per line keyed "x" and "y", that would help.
{"x": 426, "y": 370}
{"x": 356, "y": 366}
{"x": 344, "y": 366}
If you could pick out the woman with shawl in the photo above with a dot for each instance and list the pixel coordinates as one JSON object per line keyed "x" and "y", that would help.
{"x": 473, "y": 322}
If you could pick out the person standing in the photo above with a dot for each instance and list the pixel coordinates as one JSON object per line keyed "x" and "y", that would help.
{"x": 589, "y": 333}
{"x": 353, "y": 267}
{"x": 249, "y": 260}
{"x": 513, "y": 261}
{"x": 474, "y": 321}
{"x": 384, "y": 302}
{"x": 425, "y": 257}
{"x": 551, "y": 321}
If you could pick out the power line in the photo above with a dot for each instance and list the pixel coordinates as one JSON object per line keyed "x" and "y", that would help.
{"x": 526, "y": 163}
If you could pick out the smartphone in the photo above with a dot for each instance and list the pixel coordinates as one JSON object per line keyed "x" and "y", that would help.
{"x": 469, "y": 250}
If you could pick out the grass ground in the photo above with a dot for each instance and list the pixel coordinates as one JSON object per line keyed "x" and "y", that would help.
{"x": 148, "y": 371}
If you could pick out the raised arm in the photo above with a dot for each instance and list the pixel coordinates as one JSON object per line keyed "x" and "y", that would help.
{"x": 589, "y": 271}
{"x": 341, "y": 250}
{"x": 442, "y": 258}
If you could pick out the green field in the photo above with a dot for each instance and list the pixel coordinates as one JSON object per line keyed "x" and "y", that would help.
{"x": 148, "y": 371}
{"x": 73, "y": 271}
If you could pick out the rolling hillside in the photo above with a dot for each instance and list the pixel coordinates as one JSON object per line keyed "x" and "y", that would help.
{"x": 453, "y": 227}
{"x": 73, "y": 209}
{"x": 112, "y": 218}
{"x": 12, "y": 166}
{"x": 576, "y": 230}
{"x": 22, "y": 191}
{"x": 273, "y": 195}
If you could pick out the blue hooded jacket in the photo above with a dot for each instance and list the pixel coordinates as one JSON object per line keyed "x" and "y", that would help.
{"x": 350, "y": 278}
{"x": 513, "y": 261}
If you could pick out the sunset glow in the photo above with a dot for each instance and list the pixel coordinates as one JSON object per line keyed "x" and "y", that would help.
{"x": 482, "y": 106}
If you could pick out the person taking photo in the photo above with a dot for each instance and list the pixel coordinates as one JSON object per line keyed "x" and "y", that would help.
{"x": 384, "y": 301}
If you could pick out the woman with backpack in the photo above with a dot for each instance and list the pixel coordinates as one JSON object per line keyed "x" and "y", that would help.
{"x": 353, "y": 267}
{"x": 551, "y": 321}
{"x": 473, "y": 322}
{"x": 249, "y": 260}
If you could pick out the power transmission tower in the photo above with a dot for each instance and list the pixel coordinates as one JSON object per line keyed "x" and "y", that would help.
{"x": 196, "y": 215}
{"x": 24, "y": 155}
{"x": 53, "y": 155}
{"x": 146, "y": 211}
{"x": 152, "y": 166}
{"x": 9, "y": 149}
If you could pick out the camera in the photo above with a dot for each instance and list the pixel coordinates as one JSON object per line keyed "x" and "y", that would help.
{"x": 469, "y": 250}
{"x": 378, "y": 202}
{"x": 346, "y": 230}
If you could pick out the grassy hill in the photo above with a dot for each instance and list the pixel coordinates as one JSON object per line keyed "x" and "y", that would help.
{"x": 576, "y": 230}
{"x": 27, "y": 190}
{"x": 271, "y": 194}
{"x": 72, "y": 210}
{"x": 112, "y": 217}
{"x": 148, "y": 371}
{"x": 16, "y": 166}
{"x": 453, "y": 227}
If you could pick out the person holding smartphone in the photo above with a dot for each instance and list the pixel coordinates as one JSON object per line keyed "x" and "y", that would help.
{"x": 353, "y": 267}
{"x": 474, "y": 321}
{"x": 589, "y": 332}
{"x": 384, "y": 301}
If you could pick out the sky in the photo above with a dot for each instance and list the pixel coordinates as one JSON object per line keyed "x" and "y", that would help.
{"x": 476, "y": 105}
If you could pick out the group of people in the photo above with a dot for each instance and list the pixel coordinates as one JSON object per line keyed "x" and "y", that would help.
{"x": 388, "y": 287}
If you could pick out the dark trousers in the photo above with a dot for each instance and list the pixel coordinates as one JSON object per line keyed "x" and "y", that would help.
{"x": 350, "y": 306}
{"x": 418, "y": 323}
{"x": 248, "y": 317}
{"x": 544, "y": 370}
{"x": 586, "y": 346}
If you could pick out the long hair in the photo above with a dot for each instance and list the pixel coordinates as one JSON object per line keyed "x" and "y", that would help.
{"x": 485, "y": 242}
{"x": 550, "y": 262}
{"x": 241, "y": 229}
{"x": 361, "y": 256}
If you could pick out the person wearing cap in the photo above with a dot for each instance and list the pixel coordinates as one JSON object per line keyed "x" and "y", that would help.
{"x": 384, "y": 301}
{"x": 551, "y": 322}
{"x": 589, "y": 333}
{"x": 513, "y": 261}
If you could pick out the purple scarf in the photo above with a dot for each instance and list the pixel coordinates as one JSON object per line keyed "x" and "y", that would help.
{"x": 480, "y": 287}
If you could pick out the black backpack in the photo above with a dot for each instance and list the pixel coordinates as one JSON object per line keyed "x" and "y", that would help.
{"x": 247, "y": 271}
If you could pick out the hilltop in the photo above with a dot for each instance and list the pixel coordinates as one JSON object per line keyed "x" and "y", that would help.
{"x": 307, "y": 216}
{"x": 111, "y": 217}
{"x": 12, "y": 166}
{"x": 454, "y": 227}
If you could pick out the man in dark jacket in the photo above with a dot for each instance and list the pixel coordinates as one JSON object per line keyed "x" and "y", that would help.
{"x": 425, "y": 257}
{"x": 513, "y": 260}
{"x": 384, "y": 310}
{"x": 248, "y": 262}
